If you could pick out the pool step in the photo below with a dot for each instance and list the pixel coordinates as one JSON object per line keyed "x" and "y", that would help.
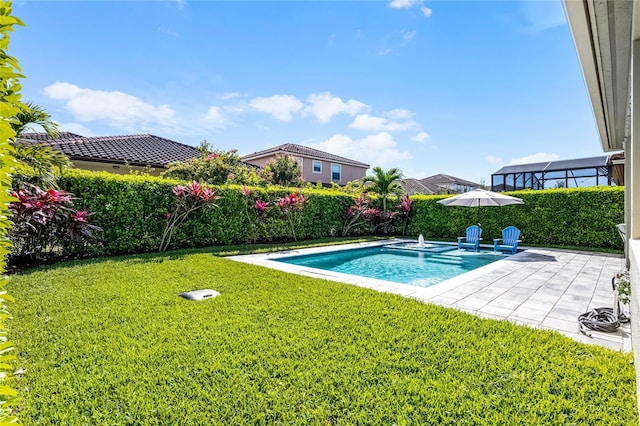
{"x": 439, "y": 258}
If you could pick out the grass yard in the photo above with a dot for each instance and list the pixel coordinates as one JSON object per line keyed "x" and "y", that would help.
{"x": 110, "y": 342}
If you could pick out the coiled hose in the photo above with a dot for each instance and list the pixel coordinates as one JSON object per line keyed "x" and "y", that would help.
{"x": 602, "y": 319}
{"x": 598, "y": 319}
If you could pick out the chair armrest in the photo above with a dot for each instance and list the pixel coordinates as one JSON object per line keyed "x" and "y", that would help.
{"x": 461, "y": 238}
{"x": 479, "y": 239}
{"x": 495, "y": 240}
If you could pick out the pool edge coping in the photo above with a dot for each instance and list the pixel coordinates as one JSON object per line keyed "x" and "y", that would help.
{"x": 268, "y": 260}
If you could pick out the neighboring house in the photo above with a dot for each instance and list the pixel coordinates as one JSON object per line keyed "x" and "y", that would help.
{"x": 445, "y": 184}
{"x": 116, "y": 154}
{"x": 414, "y": 187}
{"x": 317, "y": 166}
{"x": 576, "y": 173}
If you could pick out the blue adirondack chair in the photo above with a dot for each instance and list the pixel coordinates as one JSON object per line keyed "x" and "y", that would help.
{"x": 509, "y": 239}
{"x": 472, "y": 240}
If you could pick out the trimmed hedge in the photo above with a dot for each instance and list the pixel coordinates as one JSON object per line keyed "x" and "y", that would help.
{"x": 132, "y": 211}
{"x": 567, "y": 217}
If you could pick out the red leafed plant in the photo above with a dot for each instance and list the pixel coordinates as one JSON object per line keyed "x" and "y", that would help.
{"x": 45, "y": 222}
{"x": 404, "y": 210}
{"x": 191, "y": 197}
{"x": 358, "y": 213}
{"x": 253, "y": 215}
{"x": 291, "y": 206}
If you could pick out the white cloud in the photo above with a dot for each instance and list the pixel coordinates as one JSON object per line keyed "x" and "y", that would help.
{"x": 420, "y": 137}
{"x": 539, "y": 157}
{"x": 217, "y": 118}
{"x": 379, "y": 149}
{"x": 493, "y": 159}
{"x": 117, "y": 108}
{"x": 541, "y": 16}
{"x": 403, "y": 4}
{"x": 426, "y": 11}
{"x": 76, "y": 128}
{"x": 399, "y": 114}
{"x": 230, "y": 95}
{"x": 324, "y": 106}
{"x": 396, "y": 39}
{"x": 235, "y": 109}
{"x": 281, "y": 107}
{"x": 407, "y": 36}
{"x": 408, "y": 4}
{"x": 371, "y": 123}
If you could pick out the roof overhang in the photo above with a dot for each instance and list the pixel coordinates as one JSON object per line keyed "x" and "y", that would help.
{"x": 602, "y": 33}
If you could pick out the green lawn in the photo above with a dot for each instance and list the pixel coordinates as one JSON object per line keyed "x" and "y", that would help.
{"x": 110, "y": 342}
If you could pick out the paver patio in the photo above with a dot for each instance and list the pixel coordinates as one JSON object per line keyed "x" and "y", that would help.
{"x": 538, "y": 287}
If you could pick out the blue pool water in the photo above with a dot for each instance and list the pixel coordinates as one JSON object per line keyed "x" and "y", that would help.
{"x": 422, "y": 268}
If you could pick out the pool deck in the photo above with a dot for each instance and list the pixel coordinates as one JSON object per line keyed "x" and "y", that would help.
{"x": 538, "y": 287}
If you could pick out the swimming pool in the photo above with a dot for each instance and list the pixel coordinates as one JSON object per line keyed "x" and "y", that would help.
{"x": 422, "y": 268}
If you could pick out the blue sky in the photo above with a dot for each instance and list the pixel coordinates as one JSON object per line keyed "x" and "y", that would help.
{"x": 455, "y": 87}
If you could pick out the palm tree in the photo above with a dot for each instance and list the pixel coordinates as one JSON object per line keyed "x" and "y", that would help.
{"x": 384, "y": 183}
{"x": 37, "y": 163}
{"x": 33, "y": 114}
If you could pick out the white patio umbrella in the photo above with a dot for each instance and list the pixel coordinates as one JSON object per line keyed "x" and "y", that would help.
{"x": 481, "y": 198}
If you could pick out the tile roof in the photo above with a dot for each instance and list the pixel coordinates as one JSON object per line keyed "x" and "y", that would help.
{"x": 305, "y": 151}
{"x": 139, "y": 150}
{"x": 442, "y": 179}
{"x": 45, "y": 137}
{"x": 414, "y": 186}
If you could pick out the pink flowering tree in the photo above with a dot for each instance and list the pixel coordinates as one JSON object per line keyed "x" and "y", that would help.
{"x": 191, "y": 197}
{"x": 45, "y": 222}
{"x": 254, "y": 210}
{"x": 291, "y": 206}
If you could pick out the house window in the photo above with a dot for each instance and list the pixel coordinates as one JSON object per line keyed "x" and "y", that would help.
{"x": 317, "y": 166}
{"x": 336, "y": 171}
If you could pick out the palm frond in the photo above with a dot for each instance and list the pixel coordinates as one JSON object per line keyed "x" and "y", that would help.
{"x": 34, "y": 115}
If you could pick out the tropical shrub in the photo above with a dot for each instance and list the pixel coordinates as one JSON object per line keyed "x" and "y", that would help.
{"x": 404, "y": 211}
{"x": 190, "y": 198}
{"x": 10, "y": 106}
{"x": 39, "y": 165}
{"x": 45, "y": 223}
{"x": 291, "y": 206}
{"x": 384, "y": 183}
{"x": 283, "y": 171}
{"x": 358, "y": 216}
{"x": 215, "y": 168}
{"x": 255, "y": 210}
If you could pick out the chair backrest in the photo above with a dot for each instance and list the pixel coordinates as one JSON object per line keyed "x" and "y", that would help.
{"x": 474, "y": 232}
{"x": 510, "y": 235}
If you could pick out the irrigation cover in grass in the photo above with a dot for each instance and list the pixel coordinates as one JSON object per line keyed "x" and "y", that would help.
{"x": 206, "y": 293}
